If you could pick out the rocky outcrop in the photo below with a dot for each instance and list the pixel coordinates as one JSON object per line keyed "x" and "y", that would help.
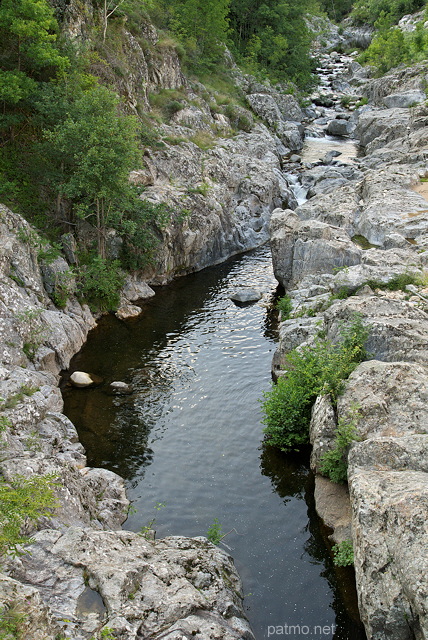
{"x": 133, "y": 586}
{"x": 223, "y": 198}
{"x": 378, "y": 212}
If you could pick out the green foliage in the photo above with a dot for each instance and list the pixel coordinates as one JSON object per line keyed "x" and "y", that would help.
{"x": 336, "y": 9}
{"x": 317, "y": 368}
{"x": 140, "y": 226}
{"x": 146, "y": 530}
{"x": 92, "y": 152}
{"x": 99, "y": 283}
{"x": 285, "y": 306}
{"x": 387, "y": 50}
{"x": 33, "y": 331}
{"x": 5, "y": 424}
{"x": 391, "y": 47}
{"x": 168, "y": 101}
{"x": 202, "y": 189}
{"x": 105, "y": 634}
{"x": 28, "y": 56}
{"x": 15, "y": 398}
{"x": 343, "y": 553}
{"x": 369, "y": 11}
{"x": 203, "y": 139}
{"x": 23, "y": 501}
{"x": 397, "y": 283}
{"x": 215, "y": 532}
{"x": 11, "y": 620}
{"x": 64, "y": 287}
{"x": 272, "y": 35}
{"x": 334, "y": 463}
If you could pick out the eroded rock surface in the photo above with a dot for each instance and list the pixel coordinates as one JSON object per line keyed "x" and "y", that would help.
{"x": 378, "y": 212}
{"x": 185, "y": 587}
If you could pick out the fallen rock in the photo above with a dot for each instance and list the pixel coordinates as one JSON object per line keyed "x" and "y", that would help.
{"x": 120, "y": 388}
{"x": 334, "y": 508}
{"x": 338, "y": 127}
{"x": 128, "y": 311}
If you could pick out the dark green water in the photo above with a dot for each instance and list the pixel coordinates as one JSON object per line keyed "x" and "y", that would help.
{"x": 190, "y": 437}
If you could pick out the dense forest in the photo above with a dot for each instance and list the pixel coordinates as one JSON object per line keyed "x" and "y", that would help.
{"x": 67, "y": 141}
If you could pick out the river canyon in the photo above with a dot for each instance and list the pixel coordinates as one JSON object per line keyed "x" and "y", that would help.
{"x": 186, "y": 442}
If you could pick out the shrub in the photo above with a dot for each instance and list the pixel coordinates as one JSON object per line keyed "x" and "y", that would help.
{"x": 23, "y": 501}
{"x": 100, "y": 282}
{"x": 215, "y": 533}
{"x": 285, "y": 307}
{"x": 334, "y": 463}
{"x": 343, "y": 553}
{"x": 319, "y": 367}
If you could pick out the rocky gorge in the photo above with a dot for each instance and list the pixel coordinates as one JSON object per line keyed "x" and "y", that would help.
{"x": 232, "y": 192}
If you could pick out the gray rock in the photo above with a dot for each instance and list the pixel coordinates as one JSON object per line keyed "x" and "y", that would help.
{"x": 404, "y": 100}
{"x": 389, "y": 496}
{"x": 246, "y": 296}
{"x": 69, "y": 247}
{"x": 81, "y": 379}
{"x": 300, "y": 248}
{"x": 120, "y": 388}
{"x": 334, "y": 508}
{"x": 35, "y": 620}
{"x": 128, "y": 311}
{"x": 339, "y": 128}
{"x": 147, "y": 587}
{"x": 321, "y": 430}
{"x": 397, "y": 329}
{"x": 391, "y": 397}
{"x": 244, "y": 184}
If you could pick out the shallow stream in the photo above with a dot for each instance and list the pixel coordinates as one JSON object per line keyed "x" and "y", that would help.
{"x": 190, "y": 438}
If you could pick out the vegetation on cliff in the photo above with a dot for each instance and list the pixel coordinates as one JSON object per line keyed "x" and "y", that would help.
{"x": 316, "y": 368}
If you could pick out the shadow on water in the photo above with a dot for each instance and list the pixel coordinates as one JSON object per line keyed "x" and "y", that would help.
{"x": 190, "y": 436}
{"x": 291, "y": 477}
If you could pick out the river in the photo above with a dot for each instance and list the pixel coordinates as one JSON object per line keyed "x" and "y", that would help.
{"x": 188, "y": 442}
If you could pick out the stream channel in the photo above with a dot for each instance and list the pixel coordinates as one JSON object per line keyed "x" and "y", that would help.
{"x": 190, "y": 437}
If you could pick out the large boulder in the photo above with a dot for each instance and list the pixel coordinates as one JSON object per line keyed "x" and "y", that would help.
{"x": 300, "y": 248}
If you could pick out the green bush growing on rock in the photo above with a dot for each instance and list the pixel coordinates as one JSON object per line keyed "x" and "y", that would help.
{"x": 23, "y": 501}
{"x": 343, "y": 553}
{"x": 285, "y": 306}
{"x": 334, "y": 463}
{"x": 215, "y": 532}
{"x": 317, "y": 368}
{"x": 100, "y": 282}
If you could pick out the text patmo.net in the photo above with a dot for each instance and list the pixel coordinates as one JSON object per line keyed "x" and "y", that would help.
{"x": 300, "y": 629}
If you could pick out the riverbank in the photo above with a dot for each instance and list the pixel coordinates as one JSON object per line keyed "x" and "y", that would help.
{"x": 349, "y": 241}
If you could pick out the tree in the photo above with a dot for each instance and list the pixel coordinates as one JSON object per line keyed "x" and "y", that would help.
{"x": 201, "y": 24}
{"x": 91, "y": 154}
{"x": 28, "y": 55}
{"x": 273, "y": 34}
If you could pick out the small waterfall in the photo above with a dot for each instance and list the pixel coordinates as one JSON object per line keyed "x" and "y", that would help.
{"x": 299, "y": 191}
